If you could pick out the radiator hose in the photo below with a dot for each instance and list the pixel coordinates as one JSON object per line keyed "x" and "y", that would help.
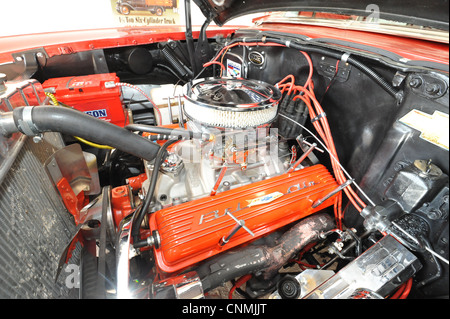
{"x": 32, "y": 121}
{"x": 263, "y": 258}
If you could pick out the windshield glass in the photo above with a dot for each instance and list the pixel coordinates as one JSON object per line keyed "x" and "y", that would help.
{"x": 370, "y": 22}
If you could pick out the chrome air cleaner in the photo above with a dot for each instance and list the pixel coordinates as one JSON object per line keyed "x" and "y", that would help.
{"x": 231, "y": 102}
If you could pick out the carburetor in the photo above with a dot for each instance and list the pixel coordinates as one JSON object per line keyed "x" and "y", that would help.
{"x": 238, "y": 114}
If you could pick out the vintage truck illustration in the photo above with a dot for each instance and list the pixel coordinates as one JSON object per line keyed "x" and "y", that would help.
{"x": 157, "y": 7}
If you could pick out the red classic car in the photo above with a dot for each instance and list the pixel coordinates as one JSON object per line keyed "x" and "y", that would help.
{"x": 302, "y": 157}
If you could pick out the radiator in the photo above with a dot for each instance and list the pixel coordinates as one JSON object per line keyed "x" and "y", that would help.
{"x": 35, "y": 227}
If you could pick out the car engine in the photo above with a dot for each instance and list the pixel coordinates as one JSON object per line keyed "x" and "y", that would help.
{"x": 277, "y": 169}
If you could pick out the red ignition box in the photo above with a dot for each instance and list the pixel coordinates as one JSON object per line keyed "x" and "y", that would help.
{"x": 96, "y": 95}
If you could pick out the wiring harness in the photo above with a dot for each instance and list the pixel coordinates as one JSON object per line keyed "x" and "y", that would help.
{"x": 305, "y": 93}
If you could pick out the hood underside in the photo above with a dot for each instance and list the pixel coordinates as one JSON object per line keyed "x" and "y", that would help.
{"x": 432, "y": 13}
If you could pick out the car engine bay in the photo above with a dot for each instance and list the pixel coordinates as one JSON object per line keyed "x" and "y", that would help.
{"x": 267, "y": 167}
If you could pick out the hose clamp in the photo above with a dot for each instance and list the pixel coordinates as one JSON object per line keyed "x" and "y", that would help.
{"x": 345, "y": 57}
{"x": 26, "y": 124}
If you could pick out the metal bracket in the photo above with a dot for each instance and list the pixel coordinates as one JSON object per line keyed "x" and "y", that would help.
{"x": 327, "y": 67}
{"x": 239, "y": 224}
{"x": 303, "y": 157}
{"x": 332, "y": 193}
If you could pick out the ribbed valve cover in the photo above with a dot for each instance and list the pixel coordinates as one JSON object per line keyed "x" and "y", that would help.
{"x": 192, "y": 232}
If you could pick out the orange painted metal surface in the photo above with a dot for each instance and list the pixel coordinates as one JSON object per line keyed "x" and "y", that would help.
{"x": 69, "y": 42}
{"x": 191, "y": 232}
{"x": 135, "y": 182}
{"x": 74, "y": 203}
{"x": 121, "y": 203}
{"x": 94, "y": 94}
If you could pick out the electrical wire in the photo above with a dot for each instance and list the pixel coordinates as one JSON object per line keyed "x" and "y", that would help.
{"x": 403, "y": 291}
{"x": 53, "y": 98}
{"x": 337, "y": 207}
{"x": 320, "y": 123}
{"x": 322, "y": 127}
{"x": 333, "y": 79}
{"x": 407, "y": 289}
{"x": 318, "y": 118}
{"x": 331, "y": 155}
{"x": 222, "y": 67}
{"x": 140, "y": 214}
{"x": 155, "y": 108}
{"x": 228, "y": 47}
{"x": 311, "y": 70}
{"x": 223, "y": 56}
{"x": 339, "y": 170}
{"x": 238, "y": 284}
{"x": 317, "y": 115}
{"x": 302, "y": 264}
{"x": 92, "y": 144}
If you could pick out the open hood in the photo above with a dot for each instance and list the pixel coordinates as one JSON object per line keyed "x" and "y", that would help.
{"x": 432, "y": 13}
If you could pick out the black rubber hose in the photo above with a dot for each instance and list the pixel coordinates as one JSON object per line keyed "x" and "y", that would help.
{"x": 75, "y": 123}
{"x": 167, "y": 68}
{"x": 267, "y": 260}
{"x": 338, "y": 55}
{"x": 375, "y": 76}
{"x": 183, "y": 71}
{"x": 162, "y": 153}
{"x": 172, "y": 132}
{"x": 333, "y": 54}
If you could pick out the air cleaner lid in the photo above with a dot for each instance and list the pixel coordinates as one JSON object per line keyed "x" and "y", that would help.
{"x": 231, "y": 94}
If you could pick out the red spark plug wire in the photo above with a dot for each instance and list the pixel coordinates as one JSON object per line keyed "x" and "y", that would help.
{"x": 403, "y": 291}
{"x": 238, "y": 284}
{"x": 317, "y": 115}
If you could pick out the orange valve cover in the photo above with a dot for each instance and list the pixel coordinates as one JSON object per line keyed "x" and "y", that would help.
{"x": 193, "y": 231}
